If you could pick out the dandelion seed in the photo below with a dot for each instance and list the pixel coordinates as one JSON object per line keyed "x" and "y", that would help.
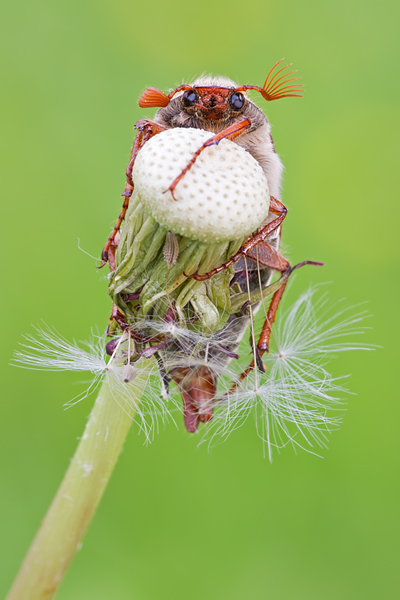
{"x": 171, "y": 249}
{"x": 297, "y": 401}
{"x": 50, "y": 351}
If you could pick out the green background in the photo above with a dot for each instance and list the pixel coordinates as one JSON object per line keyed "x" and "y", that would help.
{"x": 176, "y": 521}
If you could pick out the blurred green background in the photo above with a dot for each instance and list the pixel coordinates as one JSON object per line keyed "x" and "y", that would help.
{"x": 176, "y": 521}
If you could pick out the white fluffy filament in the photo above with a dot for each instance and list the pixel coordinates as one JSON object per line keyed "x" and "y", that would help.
{"x": 297, "y": 401}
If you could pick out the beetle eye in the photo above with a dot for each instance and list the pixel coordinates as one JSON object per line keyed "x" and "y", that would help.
{"x": 189, "y": 98}
{"x": 236, "y": 101}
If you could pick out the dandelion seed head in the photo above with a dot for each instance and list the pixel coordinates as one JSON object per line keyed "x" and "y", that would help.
{"x": 220, "y": 167}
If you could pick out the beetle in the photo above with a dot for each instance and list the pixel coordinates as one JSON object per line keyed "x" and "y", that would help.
{"x": 220, "y": 106}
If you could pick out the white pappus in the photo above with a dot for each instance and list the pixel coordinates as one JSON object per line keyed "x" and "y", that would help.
{"x": 297, "y": 401}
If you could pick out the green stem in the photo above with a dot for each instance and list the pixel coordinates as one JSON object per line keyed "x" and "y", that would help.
{"x": 78, "y": 496}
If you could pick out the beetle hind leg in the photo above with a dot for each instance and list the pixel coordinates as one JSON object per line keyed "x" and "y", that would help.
{"x": 264, "y": 338}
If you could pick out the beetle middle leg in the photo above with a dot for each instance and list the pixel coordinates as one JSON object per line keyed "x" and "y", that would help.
{"x": 146, "y": 130}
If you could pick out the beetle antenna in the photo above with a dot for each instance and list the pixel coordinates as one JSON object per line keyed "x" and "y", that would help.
{"x": 274, "y": 89}
{"x": 153, "y": 98}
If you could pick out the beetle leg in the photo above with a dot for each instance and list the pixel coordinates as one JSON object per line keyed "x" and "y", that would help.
{"x": 263, "y": 340}
{"x": 146, "y": 130}
{"x": 230, "y": 133}
{"x": 111, "y": 251}
{"x": 277, "y": 208}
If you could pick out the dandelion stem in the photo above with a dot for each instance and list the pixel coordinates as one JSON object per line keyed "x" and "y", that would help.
{"x": 63, "y": 528}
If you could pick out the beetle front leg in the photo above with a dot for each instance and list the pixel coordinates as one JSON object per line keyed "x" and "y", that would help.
{"x": 146, "y": 130}
{"x": 230, "y": 133}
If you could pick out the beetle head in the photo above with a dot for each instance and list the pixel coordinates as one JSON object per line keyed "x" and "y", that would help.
{"x": 214, "y": 102}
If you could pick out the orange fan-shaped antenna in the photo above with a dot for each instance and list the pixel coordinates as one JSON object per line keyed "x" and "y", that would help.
{"x": 274, "y": 89}
{"x": 153, "y": 98}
